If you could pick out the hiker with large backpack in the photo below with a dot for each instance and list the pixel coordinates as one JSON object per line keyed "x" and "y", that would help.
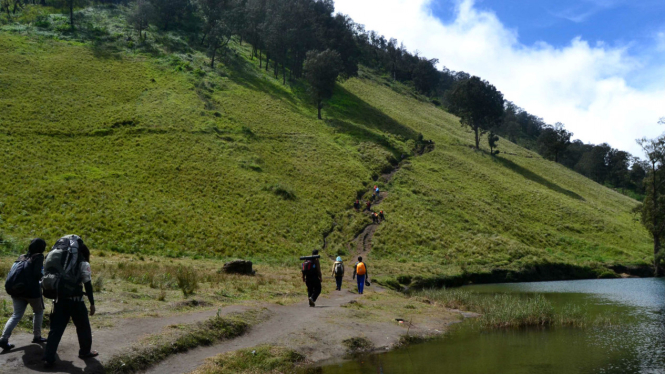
{"x": 338, "y": 272}
{"x": 66, "y": 274}
{"x": 23, "y": 286}
{"x": 360, "y": 270}
{"x": 311, "y": 275}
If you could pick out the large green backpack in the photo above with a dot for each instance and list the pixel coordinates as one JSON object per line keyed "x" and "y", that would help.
{"x": 62, "y": 268}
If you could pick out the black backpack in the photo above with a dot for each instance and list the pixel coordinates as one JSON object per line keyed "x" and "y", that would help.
{"x": 19, "y": 277}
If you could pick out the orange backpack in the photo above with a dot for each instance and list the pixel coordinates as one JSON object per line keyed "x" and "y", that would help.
{"x": 360, "y": 269}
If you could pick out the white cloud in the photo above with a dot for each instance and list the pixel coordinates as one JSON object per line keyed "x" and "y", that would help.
{"x": 580, "y": 85}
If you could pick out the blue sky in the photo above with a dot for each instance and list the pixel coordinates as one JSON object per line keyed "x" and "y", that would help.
{"x": 598, "y": 66}
{"x": 558, "y": 21}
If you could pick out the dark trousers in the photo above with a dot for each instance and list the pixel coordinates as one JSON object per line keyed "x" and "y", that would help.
{"x": 313, "y": 288}
{"x": 64, "y": 310}
{"x": 339, "y": 282}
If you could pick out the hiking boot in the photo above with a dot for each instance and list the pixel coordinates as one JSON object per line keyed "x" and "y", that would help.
{"x": 39, "y": 340}
{"x": 48, "y": 364}
{"x": 4, "y": 344}
{"x": 311, "y": 303}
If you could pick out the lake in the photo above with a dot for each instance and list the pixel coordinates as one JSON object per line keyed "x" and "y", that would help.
{"x": 635, "y": 344}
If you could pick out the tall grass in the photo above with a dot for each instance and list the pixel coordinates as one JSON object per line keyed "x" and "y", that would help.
{"x": 262, "y": 359}
{"x": 507, "y": 310}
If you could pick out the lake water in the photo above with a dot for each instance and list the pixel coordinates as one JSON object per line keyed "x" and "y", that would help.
{"x": 635, "y": 345}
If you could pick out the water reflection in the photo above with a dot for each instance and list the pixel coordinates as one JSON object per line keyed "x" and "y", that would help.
{"x": 635, "y": 345}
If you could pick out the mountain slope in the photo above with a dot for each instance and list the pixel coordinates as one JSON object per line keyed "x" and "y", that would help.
{"x": 157, "y": 153}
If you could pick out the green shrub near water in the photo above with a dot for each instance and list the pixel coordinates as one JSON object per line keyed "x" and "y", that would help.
{"x": 262, "y": 359}
{"x": 507, "y": 310}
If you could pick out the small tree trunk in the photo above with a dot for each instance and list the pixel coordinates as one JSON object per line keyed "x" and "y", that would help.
{"x": 477, "y": 131}
{"x": 283, "y": 74}
{"x": 204, "y": 37}
{"x": 212, "y": 62}
{"x": 267, "y": 60}
{"x": 260, "y": 62}
{"x": 656, "y": 249}
{"x": 276, "y": 69}
{"x": 319, "y": 105}
{"x": 71, "y": 13}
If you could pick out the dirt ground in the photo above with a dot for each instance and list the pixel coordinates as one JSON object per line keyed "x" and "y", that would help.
{"x": 315, "y": 332}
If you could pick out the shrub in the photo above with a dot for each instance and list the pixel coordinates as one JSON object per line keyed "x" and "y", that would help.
{"x": 187, "y": 280}
{"x": 358, "y": 344}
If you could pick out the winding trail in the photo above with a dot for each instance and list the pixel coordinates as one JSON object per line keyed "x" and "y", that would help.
{"x": 26, "y": 357}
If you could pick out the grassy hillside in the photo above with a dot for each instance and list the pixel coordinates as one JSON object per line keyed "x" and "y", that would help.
{"x": 150, "y": 151}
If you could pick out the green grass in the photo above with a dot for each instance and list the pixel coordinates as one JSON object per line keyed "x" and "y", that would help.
{"x": 262, "y": 359}
{"x": 144, "y": 149}
{"x": 505, "y": 310}
{"x": 144, "y": 356}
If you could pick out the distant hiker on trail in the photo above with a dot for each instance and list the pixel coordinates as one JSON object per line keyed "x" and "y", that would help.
{"x": 311, "y": 275}
{"x": 383, "y": 218}
{"x": 23, "y": 286}
{"x": 375, "y": 218}
{"x": 376, "y": 190}
{"x": 369, "y": 205}
{"x": 338, "y": 272}
{"x": 67, "y": 273}
{"x": 356, "y": 205}
{"x": 361, "y": 271}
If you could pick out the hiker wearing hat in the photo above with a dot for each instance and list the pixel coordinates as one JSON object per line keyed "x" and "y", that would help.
{"x": 383, "y": 217}
{"x": 23, "y": 286}
{"x": 338, "y": 272}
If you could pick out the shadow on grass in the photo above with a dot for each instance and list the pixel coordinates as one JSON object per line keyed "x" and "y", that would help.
{"x": 245, "y": 74}
{"x": 346, "y": 106}
{"x": 362, "y": 134}
{"x": 528, "y": 174}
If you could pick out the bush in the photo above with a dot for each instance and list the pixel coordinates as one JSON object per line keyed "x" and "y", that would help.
{"x": 188, "y": 281}
{"x": 358, "y": 344}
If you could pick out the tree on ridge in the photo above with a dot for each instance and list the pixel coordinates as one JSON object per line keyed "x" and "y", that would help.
{"x": 478, "y": 104}
{"x": 321, "y": 71}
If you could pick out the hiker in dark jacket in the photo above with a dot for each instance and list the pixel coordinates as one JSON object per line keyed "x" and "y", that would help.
{"x": 375, "y": 218}
{"x": 369, "y": 205}
{"x": 382, "y": 216}
{"x": 356, "y": 205}
{"x": 32, "y": 296}
{"x": 74, "y": 308}
{"x": 313, "y": 280}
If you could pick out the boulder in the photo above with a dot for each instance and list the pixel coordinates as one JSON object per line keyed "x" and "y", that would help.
{"x": 238, "y": 267}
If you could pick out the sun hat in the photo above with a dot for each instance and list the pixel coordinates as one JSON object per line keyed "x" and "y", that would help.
{"x": 339, "y": 259}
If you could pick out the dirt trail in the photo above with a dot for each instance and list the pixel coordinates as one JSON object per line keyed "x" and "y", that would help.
{"x": 26, "y": 357}
{"x": 363, "y": 241}
{"x": 291, "y": 326}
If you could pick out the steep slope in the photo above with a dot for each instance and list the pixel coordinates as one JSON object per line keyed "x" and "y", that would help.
{"x": 159, "y": 154}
